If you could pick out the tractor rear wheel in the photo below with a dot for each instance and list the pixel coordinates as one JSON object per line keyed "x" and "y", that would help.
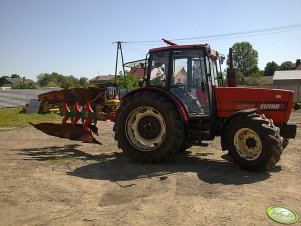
{"x": 254, "y": 142}
{"x": 148, "y": 128}
{"x": 285, "y": 142}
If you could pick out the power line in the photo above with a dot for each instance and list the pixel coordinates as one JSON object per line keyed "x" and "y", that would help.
{"x": 231, "y": 35}
{"x": 249, "y": 35}
{"x": 245, "y": 32}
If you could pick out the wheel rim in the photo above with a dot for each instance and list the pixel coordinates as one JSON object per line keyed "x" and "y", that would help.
{"x": 247, "y": 144}
{"x": 145, "y": 128}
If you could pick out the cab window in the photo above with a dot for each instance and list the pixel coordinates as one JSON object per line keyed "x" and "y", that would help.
{"x": 159, "y": 69}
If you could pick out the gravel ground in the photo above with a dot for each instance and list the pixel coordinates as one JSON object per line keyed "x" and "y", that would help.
{"x": 51, "y": 181}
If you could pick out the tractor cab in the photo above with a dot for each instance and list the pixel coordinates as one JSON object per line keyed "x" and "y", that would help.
{"x": 187, "y": 71}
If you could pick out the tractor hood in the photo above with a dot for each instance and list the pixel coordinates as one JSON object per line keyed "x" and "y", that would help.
{"x": 276, "y": 104}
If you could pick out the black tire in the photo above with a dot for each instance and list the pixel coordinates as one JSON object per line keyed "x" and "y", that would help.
{"x": 185, "y": 145}
{"x": 285, "y": 142}
{"x": 165, "y": 125}
{"x": 254, "y": 142}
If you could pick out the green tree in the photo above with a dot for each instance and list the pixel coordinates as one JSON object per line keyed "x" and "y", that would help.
{"x": 256, "y": 78}
{"x": 239, "y": 78}
{"x": 287, "y": 65}
{"x": 52, "y": 84}
{"x": 84, "y": 82}
{"x": 129, "y": 80}
{"x": 68, "y": 81}
{"x": 58, "y": 80}
{"x": 245, "y": 58}
{"x": 65, "y": 82}
{"x": 270, "y": 68}
{"x": 15, "y": 76}
{"x": 157, "y": 81}
{"x": 45, "y": 79}
{"x": 25, "y": 86}
{"x": 3, "y": 79}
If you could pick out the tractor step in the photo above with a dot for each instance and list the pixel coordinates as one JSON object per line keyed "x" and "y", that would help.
{"x": 198, "y": 134}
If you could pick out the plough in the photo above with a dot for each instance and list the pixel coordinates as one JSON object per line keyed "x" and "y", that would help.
{"x": 82, "y": 108}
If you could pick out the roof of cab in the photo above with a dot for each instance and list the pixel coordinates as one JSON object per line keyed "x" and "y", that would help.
{"x": 171, "y": 47}
{"x": 177, "y": 47}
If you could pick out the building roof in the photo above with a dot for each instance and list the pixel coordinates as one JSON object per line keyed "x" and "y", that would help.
{"x": 102, "y": 78}
{"x": 178, "y": 70}
{"x": 287, "y": 75}
{"x": 156, "y": 72}
{"x": 138, "y": 72}
{"x": 159, "y": 72}
{"x": 9, "y": 82}
{"x": 298, "y": 67}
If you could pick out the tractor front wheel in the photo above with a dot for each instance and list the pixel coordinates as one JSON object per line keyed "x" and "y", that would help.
{"x": 254, "y": 142}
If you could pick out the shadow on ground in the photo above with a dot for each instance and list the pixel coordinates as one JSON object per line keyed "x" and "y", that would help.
{"x": 61, "y": 153}
{"x": 115, "y": 167}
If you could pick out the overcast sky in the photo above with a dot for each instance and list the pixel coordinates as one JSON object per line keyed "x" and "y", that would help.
{"x": 74, "y": 37}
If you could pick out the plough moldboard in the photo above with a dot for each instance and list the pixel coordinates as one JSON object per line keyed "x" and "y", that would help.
{"x": 82, "y": 108}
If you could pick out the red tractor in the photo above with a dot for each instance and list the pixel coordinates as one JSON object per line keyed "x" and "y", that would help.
{"x": 183, "y": 102}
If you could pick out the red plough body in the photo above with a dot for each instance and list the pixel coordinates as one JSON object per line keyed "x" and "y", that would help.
{"x": 83, "y": 107}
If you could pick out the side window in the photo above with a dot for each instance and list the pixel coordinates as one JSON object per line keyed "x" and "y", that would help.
{"x": 214, "y": 73}
{"x": 179, "y": 71}
{"x": 212, "y": 70}
{"x": 159, "y": 68}
{"x": 198, "y": 72}
{"x": 219, "y": 73}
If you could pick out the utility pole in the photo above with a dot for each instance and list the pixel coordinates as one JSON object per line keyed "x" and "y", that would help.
{"x": 119, "y": 48}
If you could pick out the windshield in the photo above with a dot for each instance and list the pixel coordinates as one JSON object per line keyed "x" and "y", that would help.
{"x": 188, "y": 81}
{"x": 188, "y": 68}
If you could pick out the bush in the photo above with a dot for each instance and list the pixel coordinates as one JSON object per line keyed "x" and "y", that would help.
{"x": 129, "y": 80}
{"x": 25, "y": 86}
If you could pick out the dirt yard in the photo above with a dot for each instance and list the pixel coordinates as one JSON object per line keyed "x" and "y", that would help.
{"x": 50, "y": 181}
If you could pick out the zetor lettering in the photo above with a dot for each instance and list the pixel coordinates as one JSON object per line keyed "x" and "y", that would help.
{"x": 269, "y": 106}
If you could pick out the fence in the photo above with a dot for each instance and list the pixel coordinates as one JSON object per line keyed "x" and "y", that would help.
{"x": 20, "y": 97}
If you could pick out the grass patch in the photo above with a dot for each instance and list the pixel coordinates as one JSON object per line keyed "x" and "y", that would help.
{"x": 13, "y": 117}
{"x": 60, "y": 160}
